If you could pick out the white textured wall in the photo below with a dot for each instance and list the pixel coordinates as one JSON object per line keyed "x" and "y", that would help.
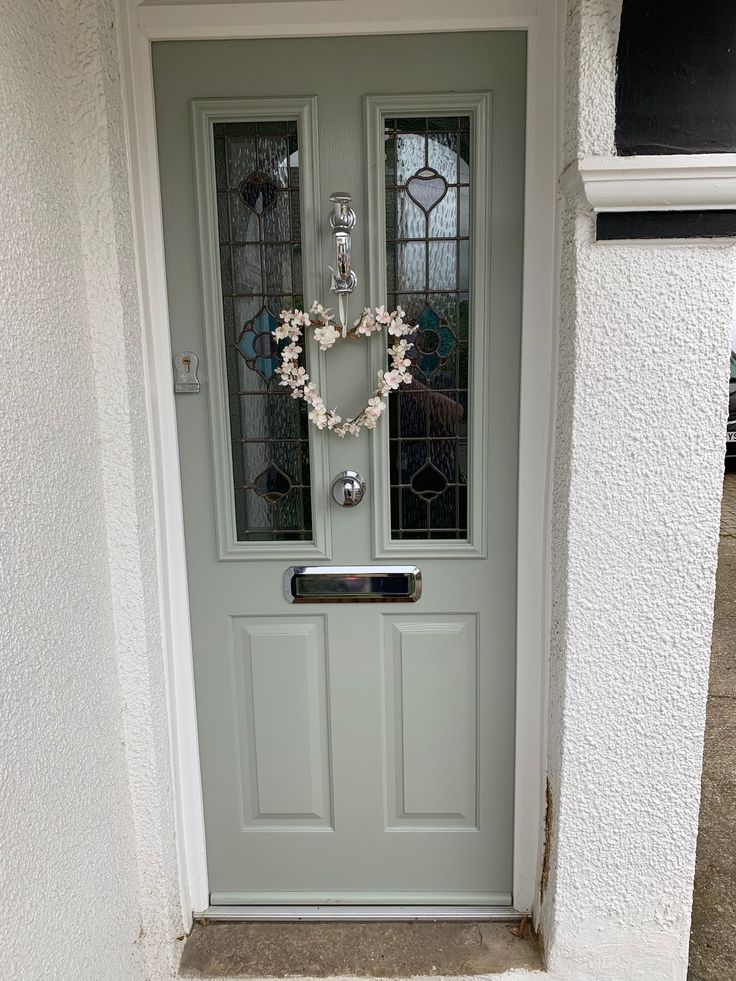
{"x": 88, "y": 874}
{"x": 642, "y": 402}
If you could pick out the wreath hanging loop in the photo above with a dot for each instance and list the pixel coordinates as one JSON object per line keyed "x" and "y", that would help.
{"x": 326, "y": 333}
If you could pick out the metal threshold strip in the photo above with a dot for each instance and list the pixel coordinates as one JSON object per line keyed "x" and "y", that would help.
{"x": 291, "y": 913}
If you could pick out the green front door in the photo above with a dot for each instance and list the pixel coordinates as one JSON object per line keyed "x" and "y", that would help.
{"x": 351, "y": 752}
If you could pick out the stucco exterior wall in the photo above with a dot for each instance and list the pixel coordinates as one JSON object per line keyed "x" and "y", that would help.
{"x": 65, "y": 811}
{"x": 642, "y": 403}
{"x": 88, "y": 868}
{"x": 86, "y": 801}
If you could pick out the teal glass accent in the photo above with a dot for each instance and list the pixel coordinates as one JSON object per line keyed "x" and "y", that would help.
{"x": 433, "y": 343}
{"x": 258, "y": 345}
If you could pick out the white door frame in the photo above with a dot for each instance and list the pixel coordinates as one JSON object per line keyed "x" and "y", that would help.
{"x": 140, "y": 24}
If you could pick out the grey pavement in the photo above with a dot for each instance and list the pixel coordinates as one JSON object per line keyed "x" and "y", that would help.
{"x": 713, "y": 934}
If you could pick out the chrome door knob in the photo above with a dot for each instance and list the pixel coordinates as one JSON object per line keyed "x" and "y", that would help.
{"x": 348, "y": 489}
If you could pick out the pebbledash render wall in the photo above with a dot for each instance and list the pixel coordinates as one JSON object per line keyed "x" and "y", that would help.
{"x": 87, "y": 831}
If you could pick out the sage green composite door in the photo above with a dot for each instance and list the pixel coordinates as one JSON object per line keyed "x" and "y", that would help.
{"x": 357, "y": 753}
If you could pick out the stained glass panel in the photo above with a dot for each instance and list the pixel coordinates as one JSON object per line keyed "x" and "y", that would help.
{"x": 428, "y": 187}
{"x": 257, "y": 174}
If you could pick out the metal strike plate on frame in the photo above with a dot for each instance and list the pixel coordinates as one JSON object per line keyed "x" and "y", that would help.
{"x": 185, "y": 372}
{"x": 353, "y": 584}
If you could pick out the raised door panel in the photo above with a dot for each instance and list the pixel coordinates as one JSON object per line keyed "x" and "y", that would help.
{"x": 280, "y": 676}
{"x": 431, "y": 726}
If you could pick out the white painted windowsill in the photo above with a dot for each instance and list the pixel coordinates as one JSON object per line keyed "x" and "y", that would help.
{"x": 677, "y": 182}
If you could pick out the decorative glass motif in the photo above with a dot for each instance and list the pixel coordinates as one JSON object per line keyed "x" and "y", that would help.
{"x": 257, "y": 174}
{"x": 434, "y": 343}
{"x": 259, "y": 192}
{"x": 258, "y": 345}
{"x": 428, "y": 188}
{"x": 272, "y": 483}
{"x": 428, "y": 482}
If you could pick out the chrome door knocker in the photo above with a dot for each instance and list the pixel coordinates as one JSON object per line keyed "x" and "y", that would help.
{"x": 342, "y": 221}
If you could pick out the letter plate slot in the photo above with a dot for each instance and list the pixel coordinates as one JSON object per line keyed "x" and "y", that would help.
{"x": 353, "y": 584}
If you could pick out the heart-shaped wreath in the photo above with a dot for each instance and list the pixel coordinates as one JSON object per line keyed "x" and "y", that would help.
{"x": 326, "y": 333}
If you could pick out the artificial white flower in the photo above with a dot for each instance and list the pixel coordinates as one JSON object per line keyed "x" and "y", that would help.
{"x": 392, "y": 380}
{"x": 291, "y": 352}
{"x": 318, "y": 413}
{"x": 326, "y": 335}
{"x": 400, "y": 364}
{"x": 375, "y": 406}
{"x": 366, "y": 325}
{"x": 398, "y": 328}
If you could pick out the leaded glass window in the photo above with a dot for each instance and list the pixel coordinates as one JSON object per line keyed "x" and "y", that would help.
{"x": 257, "y": 176}
{"x": 428, "y": 189}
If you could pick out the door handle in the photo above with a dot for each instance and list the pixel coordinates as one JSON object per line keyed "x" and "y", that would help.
{"x": 348, "y": 489}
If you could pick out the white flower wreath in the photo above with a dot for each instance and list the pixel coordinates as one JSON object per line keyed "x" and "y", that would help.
{"x": 326, "y": 333}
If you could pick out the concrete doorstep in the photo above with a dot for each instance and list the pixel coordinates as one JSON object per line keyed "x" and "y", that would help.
{"x": 379, "y": 950}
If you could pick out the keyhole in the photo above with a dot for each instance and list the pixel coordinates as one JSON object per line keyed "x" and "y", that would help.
{"x": 185, "y": 364}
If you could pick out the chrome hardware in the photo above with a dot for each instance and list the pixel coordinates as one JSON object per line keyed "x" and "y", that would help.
{"x": 348, "y": 489}
{"x": 342, "y": 221}
{"x": 353, "y": 584}
{"x": 185, "y": 372}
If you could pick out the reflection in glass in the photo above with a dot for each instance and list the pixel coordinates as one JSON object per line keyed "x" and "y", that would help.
{"x": 257, "y": 174}
{"x": 428, "y": 187}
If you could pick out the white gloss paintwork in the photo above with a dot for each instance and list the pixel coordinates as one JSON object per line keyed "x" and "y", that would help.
{"x": 676, "y": 182}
